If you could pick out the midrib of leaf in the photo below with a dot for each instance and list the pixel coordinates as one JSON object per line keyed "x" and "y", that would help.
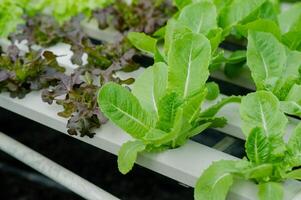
{"x": 131, "y": 117}
{"x": 255, "y": 150}
{"x": 264, "y": 123}
{"x": 130, "y": 150}
{"x": 265, "y": 66}
{"x": 155, "y": 102}
{"x": 220, "y": 178}
{"x": 200, "y": 24}
{"x": 188, "y": 73}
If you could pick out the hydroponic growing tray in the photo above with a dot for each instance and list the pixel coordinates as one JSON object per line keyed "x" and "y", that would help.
{"x": 175, "y": 164}
{"x": 184, "y": 164}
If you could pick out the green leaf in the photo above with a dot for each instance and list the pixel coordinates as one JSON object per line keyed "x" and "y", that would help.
{"x": 179, "y": 129}
{"x": 281, "y": 86}
{"x": 270, "y": 190}
{"x": 159, "y": 55}
{"x": 258, "y": 172}
{"x": 160, "y": 73}
{"x": 192, "y": 106}
{"x": 235, "y": 63}
{"x": 174, "y": 30}
{"x": 215, "y": 181}
{"x": 216, "y": 122}
{"x": 10, "y": 17}
{"x": 292, "y": 39}
{"x": 199, "y": 17}
{"x": 168, "y": 107}
{"x": 217, "y": 60}
{"x": 122, "y": 108}
{"x": 181, "y": 3}
{"x": 237, "y": 57}
{"x": 293, "y": 64}
{"x": 260, "y": 25}
{"x": 237, "y": 11}
{"x": 64, "y": 10}
{"x": 278, "y": 149}
{"x": 128, "y": 154}
{"x": 262, "y": 109}
{"x": 151, "y": 86}
{"x": 291, "y": 108}
{"x": 188, "y": 61}
{"x": 290, "y": 20}
{"x": 233, "y": 70}
{"x": 266, "y": 57}
{"x": 213, "y": 110}
{"x": 294, "y": 145}
{"x": 257, "y": 146}
{"x": 221, "y": 4}
{"x": 269, "y": 10}
{"x": 32, "y": 7}
{"x": 199, "y": 129}
{"x": 143, "y": 42}
{"x": 295, "y": 139}
{"x": 172, "y": 138}
{"x": 295, "y": 174}
{"x": 213, "y": 91}
{"x": 155, "y": 137}
{"x": 216, "y": 37}
{"x": 11, "y": 11}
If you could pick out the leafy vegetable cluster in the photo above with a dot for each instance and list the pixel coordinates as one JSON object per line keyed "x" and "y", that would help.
{"x": 270, "y": 36}
{"x": 79, "y": 104}
{"x": 164, "y": 108}
{"x": 77, "y": 92}
{"x": 22, "y": 73}
{"x": 10, "y": 16}
{"x": 103, "y": 61}
{"x": 12, "y": 11}
{"x": 275, "y": 68}
{"x": 269, "y": 45}
{"x": 141, "y": 16}
{"x": 270, "y": 160}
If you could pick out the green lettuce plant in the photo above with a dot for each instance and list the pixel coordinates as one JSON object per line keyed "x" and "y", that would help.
{"x": 290, "y": 25}
{"x": 219, "y": 21}
{"x": 270, "y": 159}
{"x": 276, "y": 68}
{"x": 64, "y": 10}
{"x": 164, "y": 108}
{"x": 10, "y": 16}
{"x": 12, "y": 11}
{"x": 22, "y": 73}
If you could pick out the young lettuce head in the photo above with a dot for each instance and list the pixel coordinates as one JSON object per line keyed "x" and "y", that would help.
{"x": 164, "y": 108}
{"x": 270, "y": 160}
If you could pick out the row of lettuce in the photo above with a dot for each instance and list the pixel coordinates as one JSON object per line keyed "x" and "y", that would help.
{"x": 166, "y": 110}
{"x": 187, "y": 41}
{"x": 12, "y": 11}
{"x": 35, "y": 69}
